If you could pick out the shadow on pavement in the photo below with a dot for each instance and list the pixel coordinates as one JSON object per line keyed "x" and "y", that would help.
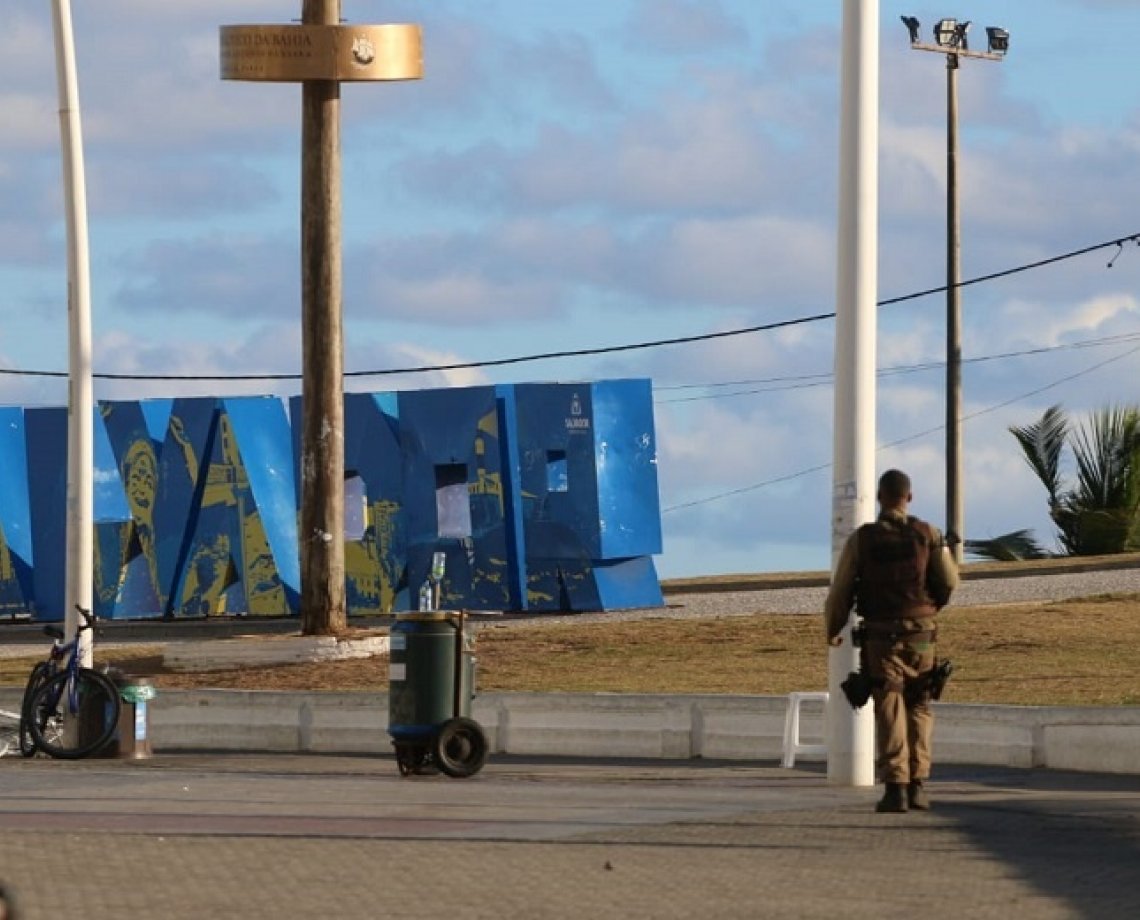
{"x": 1073, "y": 837}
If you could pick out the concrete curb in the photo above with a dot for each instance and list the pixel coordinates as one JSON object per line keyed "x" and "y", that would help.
{"x": 730, "y": 727}
{"x": 218, "y": 654}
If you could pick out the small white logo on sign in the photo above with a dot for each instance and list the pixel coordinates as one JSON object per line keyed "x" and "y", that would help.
{"x": 363, "y": 51}
{"x": 575, "y": 421}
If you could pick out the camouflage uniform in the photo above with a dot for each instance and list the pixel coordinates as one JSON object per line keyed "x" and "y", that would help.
{"x": 898, "y": 575}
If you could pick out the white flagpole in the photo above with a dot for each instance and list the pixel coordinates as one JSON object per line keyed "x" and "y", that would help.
{"x": 850, "y": 733}
{"x": 80, "y": 401}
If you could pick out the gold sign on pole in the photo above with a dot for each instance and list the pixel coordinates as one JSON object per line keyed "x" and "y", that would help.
{"x": 345, "y": 53}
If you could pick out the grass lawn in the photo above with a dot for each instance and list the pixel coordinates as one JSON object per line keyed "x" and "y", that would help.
{"x": 1072, "y": 653}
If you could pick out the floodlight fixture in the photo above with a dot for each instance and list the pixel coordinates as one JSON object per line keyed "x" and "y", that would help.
{"x": 998, "y": 40}
{"x": 944, "y": 32}
{"x": 912, "y": 24}
{"x": 960, "y": 31}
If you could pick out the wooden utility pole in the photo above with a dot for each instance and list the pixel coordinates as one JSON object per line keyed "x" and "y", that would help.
{"x": 322, "y": 397}
{"x": 320, "y": 53}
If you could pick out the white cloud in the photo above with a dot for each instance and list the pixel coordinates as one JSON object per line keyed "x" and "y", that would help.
{"x": 685, "y": 26}
{"x": 1101, "y": 315}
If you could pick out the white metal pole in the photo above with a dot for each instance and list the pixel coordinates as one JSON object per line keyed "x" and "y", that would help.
{"x": 80, "y": 402}
{"x": 850, "y": 733}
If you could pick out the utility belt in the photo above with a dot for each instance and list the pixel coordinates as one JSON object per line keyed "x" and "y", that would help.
{"x": 859, "y": 684}
{"x": 891, "y": 631}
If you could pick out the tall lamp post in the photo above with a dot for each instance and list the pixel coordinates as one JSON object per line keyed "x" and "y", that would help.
{"x": 950, "y": 41}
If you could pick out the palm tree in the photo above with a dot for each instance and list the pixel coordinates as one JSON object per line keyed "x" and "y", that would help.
{"x": 1100, "y": 512}
{"x": 1009, "y": 547}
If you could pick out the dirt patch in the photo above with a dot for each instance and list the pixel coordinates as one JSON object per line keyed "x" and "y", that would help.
{"x": 1076, "y": 653}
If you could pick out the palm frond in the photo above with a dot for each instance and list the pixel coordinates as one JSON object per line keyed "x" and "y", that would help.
{"x": 1101, "y": 449}
{"x": 1009, "y": 547}
{"x": 1042, "y": 443}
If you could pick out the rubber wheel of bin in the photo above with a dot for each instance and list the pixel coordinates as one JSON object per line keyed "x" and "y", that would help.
{"x": 411, "y": 758}
{"x": 459, "y": 748}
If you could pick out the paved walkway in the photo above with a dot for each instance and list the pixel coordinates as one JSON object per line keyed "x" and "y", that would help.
{"x": 218, "y": 836}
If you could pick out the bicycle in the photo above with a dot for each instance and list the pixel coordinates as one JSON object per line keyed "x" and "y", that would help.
{"x": 60, "y": 690}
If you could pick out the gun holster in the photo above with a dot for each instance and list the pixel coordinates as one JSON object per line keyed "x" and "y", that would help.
{"x": 858, "y": 686}
{"x": 938, "y": 677}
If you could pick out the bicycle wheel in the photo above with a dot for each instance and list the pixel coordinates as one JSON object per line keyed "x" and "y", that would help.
{"x": 36, "y": 679}
{"x": 97, "y": 710}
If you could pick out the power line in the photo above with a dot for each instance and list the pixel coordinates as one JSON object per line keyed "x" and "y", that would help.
{"x": 462, "y": 365}
{"x": 809, "y": 381}
{"x": 911, "y": 437}
{"x": 608, "y": 349}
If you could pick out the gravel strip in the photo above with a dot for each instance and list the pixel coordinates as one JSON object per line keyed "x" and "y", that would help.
{"x": 969, "y": 593}
{"x": 1028, "y": 588}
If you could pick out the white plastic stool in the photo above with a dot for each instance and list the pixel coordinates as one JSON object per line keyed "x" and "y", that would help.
{"x": 792, "y": 743}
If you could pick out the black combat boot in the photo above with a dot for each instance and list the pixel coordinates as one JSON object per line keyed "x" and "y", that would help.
{"x": 894, "y": 799}
{"x": 917, "y": 797}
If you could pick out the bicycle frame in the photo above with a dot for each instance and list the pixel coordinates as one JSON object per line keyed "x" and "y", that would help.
{"x": 68, "y": 653}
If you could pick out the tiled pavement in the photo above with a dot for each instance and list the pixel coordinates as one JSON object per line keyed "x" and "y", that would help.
{"x": 256, "y": 835}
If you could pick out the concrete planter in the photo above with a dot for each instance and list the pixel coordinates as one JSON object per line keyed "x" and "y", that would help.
{"x": 1104, "y": 740}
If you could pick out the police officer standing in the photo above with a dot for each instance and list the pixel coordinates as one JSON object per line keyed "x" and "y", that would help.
{"x": 897, "y": 573}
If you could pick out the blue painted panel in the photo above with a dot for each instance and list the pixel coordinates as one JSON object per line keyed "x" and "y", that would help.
{"x": 558, "y": 478}
{"x": 229, "y": 565}
{"x": 111, "y": 547}
{"x": 595, "y": 584}
{"x": 183, "y": 464}
{"x": 15, "y": 517}
{"x": 539, "y": 495}
{"x": 45, "y": 430}
{"x": 375, "y": 564}
{"x": 446, "y": 434}
{"x": 263, "y": 453}
{"x": 625, "y": 446}
{"x": 109, "y": 501}
{"x": 588, "y": 483}
{"x": 156, "y": 412}
{"x": 625, "y": 583}
{"x": 588, "y": 462}
{"x": 512, "y": 496}
{"x": 136, "y": 455}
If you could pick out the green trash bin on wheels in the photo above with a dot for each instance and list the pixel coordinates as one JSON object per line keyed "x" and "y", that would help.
{"x": 431, "y": 682}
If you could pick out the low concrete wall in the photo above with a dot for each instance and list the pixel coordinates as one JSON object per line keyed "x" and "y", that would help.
{"x": 631, "y": 725}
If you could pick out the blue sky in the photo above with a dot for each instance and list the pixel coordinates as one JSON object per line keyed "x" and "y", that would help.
{"x": 604, "y": 173}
